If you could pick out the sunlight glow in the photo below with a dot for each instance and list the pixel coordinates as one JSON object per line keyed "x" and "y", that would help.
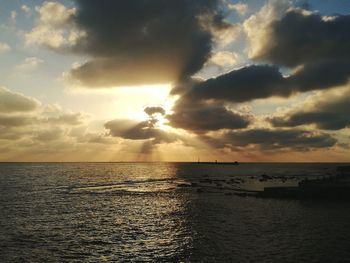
{"x": 133, "y": 100}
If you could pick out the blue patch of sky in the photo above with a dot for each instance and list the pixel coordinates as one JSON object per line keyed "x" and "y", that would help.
{"x": 41, "y": 83}
{"x": 330, "y": 7}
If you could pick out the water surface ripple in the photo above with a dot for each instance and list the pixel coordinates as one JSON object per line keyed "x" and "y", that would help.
{"x": 154, "y": 212}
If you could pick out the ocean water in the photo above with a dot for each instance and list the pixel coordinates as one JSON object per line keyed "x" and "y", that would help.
{"x": 165, "y": 212}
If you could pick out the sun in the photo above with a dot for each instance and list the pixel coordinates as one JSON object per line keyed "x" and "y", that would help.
{"x": 160, "y": 121}
{"x": 132, "y": 103}
{"x": 156, "y": 114}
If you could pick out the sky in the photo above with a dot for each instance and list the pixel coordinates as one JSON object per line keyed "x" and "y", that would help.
{"x": 160, "y": 80}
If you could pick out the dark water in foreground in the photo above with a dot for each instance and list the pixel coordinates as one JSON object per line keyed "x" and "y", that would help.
{"x": 136, "y": 212}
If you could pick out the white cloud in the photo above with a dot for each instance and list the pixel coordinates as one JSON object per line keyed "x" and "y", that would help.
{"x": 257, "y": 27}
{"x": 44, "y": 35}
{"x": 240, "y": 8}
{"x": 224, "y": 58}
{"x": 26, "y": 9}
{"x": 226, "y": 36}
{"x": 55, "y": 14}
{"x": 30, "y": 64}
{"x": 54, "y": 27}
{"x": 4, "y": 47}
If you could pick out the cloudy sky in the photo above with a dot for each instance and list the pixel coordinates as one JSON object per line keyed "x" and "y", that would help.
{"x": 160, "y": 80}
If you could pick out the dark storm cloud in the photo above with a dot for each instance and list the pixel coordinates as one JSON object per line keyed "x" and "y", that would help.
{"x": 327, "y": 115}
{"x": 264, "y": 81}
{"x": 202, "y": 117}
{"x": 201, "y": 108}
{"x": 300, "y": 37}
{"x": 245, "y": 84}
{"x": 143, "y": 42}
{"x": 321, "y": 75}
{"x": 319, "y": 46}
{"x": 278, "y": 139}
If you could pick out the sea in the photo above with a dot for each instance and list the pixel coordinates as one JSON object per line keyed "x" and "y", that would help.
{"x": 166, "y": 212}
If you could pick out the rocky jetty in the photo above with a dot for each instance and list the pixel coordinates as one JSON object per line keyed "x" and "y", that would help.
{"x": 329, "y": 188}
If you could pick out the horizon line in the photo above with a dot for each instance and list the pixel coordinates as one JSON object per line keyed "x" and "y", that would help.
{"x": 189, "y": 162}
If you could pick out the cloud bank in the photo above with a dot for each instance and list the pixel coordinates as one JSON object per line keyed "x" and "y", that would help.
{"x": 129, "y": 43}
